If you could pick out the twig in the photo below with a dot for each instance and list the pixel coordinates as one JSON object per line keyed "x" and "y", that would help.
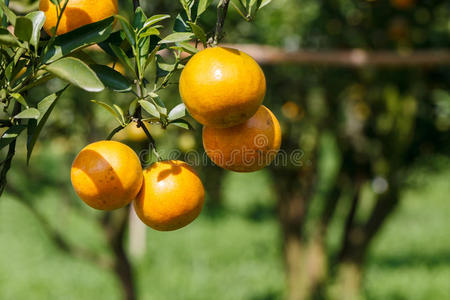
{"x": 222, "y": 10}
{"x": 115, "y": 130}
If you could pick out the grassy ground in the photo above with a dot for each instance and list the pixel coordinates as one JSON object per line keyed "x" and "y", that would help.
{"x": 233, "y": 256}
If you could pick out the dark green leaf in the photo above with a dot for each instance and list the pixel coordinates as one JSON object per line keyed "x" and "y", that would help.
{"x": 84, "y": 36}
{"x": 180, "y": 24}
{"x": 111, "y": 78}
{"x": 76, "y": 72}
{"x": 139, "y": 18}
{"x": 199, "y": 32}
{"x": 23, "y": 29}
{"x": 117, "y": 39}
{"x": 177, "y": 112}
{"x": 128, "y": 29}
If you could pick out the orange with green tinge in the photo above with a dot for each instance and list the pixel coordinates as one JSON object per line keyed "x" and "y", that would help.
{"x": 247, "y": 147}
{"x": 171, "y": 197}
{"x": 222, "y": 87}
{"x": 107, "y": 175}
{"x": 77, "y": 13}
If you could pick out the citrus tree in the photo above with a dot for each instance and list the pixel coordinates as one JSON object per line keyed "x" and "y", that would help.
{"x": 222, "y": 88}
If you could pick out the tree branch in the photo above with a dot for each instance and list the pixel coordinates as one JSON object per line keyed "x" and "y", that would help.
{"x": 222, "y": 10}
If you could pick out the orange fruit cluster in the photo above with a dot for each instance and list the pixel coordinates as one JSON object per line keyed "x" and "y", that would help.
{"x": 108, "y": 175}
{"x": 223, "y": 89}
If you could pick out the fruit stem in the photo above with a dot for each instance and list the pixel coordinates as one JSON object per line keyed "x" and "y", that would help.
{"x": 222, "y": 10}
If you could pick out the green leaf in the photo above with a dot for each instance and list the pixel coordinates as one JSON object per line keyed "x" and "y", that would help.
{"x": 19, "y": 98}
{"x": 45, "y": 107}
{"x": 9, "y": 14}
{"x": 150, "y": 108}
{"x": 9, "y": 70}
{"x": 123, "y": 58}
{"x": 112, "y": 79}
{"x": 23, "y": 29}
{"x": 202, "y": 6}
{"x": 151, "y": 58}
{"x": 77, "y": 73}
{"x": 117, "y": 39}
{"x": 199, "y": 33}
{"x": 155, "y": 19}
{"x": 188, "y": 47}
{"x": 6, "y": 38}
{"x": 139, "y": 18}
{"x": 82, "y": 37}
{"x": 177, "y": 37}
{"x": 128, "y": 29}
{"x": 110, "y": 110}
{"x": 149, "y": 32}
{"x": 177, "y": 112}
{"x": 182, "y": 124}
{"x": 10, "y": 135}
{"x": 159, "y": 104}
{"x": 120, "y": 113}
{"x": 30, "y": 113}
{"x": 180, "y": 24}
{"x": 38, "y": 19}
{"x": 132, "y": 107}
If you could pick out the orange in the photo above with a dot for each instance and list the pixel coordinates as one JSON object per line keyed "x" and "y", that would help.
{"x": 106, "y": 175}
{"x": 77, "y": 13}
{"x": 171, "y": 197}
{"x": 246, "y": 147}
{"x": 222, "y": 87}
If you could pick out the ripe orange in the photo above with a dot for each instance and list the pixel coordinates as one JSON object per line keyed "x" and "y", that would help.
{"x": 77, "y": 13}
{"x": 222, "y": 87}
{"x": 106, "y": 175}
{"x": 171, "y": 197}
{"x": 246, "y": 147}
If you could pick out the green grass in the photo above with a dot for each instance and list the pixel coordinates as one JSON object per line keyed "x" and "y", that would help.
{"x": 236, "y": 255}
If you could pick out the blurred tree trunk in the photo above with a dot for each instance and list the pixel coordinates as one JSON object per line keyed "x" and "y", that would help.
{"x": 294, "y": 191}
{"x": 213, "y": 177}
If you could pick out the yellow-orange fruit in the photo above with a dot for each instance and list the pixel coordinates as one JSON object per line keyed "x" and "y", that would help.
{"x": 222, "y": 87}
{"x": 106, "y": 175}
{"x": 77, "y": 13}
{"x": 171, "y": 197}
{"x": 247, "y": 147}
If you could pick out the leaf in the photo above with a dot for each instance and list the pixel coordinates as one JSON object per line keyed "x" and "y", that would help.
{"x": 149, "y": 32}
{"x": 10, "y": 135}
{"x": 30, "y": 113}
{"x": 76, "y": 72}
{"x": 123, "y": 58}
{"x": 19, "y": 98}
{"x": 188, "y": 47}
{"x": 199, "y": 33}
{"x": 177, "y": 112}
{"x": 82, "y": 37}
{"x": 37, "y": 19}
{"x": 202, "y": 6}
{"x": 151, "y": 57}
{"x": 110, "y": 110}
{"x": 112, "y": 79}
{"x": 45, "y": 107}
{"x": 139, "y": 18}
{"x": 130, "y": 34}
{"x": 117, "y": 39}
{"x": 182, "y": 124}
{"x": 150, "y": 108}
{"x": 180, "y": 23}
{"x": 23, "y": 29}
{"x": 177, "y": 37}
{"x": 155, "y": 19}
{"x": 9, "y": 14}
{"x": 132, "y": 107}
{"x": 6, "y": 38}
{"x": 120, "y": 113}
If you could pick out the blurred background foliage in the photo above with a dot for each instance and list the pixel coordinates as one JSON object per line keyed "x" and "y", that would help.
{"x": 366, "y": 135}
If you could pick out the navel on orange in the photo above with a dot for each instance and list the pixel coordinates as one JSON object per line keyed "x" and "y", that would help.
{"x": 106, "y": 175}
{"x": 171, "y": 197}
{"x": 247, "y": 147}
{"x": 222, "y": 87}
{"x": 77, "y": 13}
